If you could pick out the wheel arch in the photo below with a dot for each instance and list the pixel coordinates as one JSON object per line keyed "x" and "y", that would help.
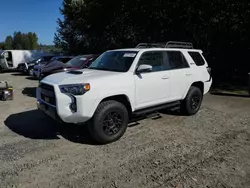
{"x": 198, "y": 84}
{"x": 122, "y": 98}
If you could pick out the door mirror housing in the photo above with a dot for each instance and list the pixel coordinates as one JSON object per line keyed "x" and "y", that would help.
{"x": 144, "y": 68}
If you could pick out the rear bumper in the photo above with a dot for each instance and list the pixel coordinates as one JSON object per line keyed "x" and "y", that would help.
{"x": 207, "y": 85}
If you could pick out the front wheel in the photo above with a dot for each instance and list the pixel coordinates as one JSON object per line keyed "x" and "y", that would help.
{"x": 192, "y": 102}
{"x": 109, "y": 122}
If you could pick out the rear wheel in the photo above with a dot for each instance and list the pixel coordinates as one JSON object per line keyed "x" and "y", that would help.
{"x": 109, "y": 122}
{"x": 192, "y": 102}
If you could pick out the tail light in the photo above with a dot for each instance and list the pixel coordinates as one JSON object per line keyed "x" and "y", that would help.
{"x": 209, "y": 70}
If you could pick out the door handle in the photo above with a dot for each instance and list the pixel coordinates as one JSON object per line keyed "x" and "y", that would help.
{"x": 165, "y": 77}
{"x": 188, "y": 74}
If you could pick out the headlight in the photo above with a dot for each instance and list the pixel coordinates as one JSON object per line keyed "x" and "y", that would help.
{"x": 75, "y": 89}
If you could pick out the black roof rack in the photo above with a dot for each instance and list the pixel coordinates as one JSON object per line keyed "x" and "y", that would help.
{"x": 170, "y": 44}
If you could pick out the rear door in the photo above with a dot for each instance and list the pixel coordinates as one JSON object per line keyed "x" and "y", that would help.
{"x": 180, "y": 74}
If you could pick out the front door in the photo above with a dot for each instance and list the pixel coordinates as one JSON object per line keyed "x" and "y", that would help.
{"x": 152, "y": 88}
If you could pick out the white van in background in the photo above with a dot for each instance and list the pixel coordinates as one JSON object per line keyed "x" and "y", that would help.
{"x": 10, "y": 59}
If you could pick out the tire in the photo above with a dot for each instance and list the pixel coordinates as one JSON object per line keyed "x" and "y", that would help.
{"x": 109, "y": 122}
{"x": 192, "y": 103}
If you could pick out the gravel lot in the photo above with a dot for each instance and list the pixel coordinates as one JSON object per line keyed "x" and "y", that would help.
{"x": 210, "y": 149}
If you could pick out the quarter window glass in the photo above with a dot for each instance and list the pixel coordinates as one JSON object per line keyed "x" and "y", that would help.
{"x": 196, "y": 56}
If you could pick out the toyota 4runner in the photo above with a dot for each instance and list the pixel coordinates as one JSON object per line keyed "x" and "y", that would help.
{"x": 124, "y": 83}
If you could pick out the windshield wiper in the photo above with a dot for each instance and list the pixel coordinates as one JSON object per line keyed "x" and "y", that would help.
{"x": 104, "y": 69}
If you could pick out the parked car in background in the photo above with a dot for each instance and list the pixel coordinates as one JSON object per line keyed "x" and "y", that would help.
{"x": 28, "y": 68}
{"x": 78, "y": 62}
{"x": 37, "y": 68}
{"x": 10, "y": 59}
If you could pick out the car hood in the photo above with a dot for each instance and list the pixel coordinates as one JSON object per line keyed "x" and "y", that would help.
{"x": 39, "y": 66}
{"x": 85, "y": 76}
{"x": 53, "y": 66}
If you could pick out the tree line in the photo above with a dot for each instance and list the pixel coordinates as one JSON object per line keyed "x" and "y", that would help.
{"x": 26, "y": 41}
{"x": 220, "y": 28}
{"x": 21, "y": 41}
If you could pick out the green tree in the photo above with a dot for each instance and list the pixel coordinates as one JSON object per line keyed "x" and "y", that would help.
{"x": 220, "y": 29}
{"x": 23, "y": 41}
{"x": 8, "y": 44}
{"x": 17, "y": 41}
{"x": 2, "y": 46}
{"x": 33, "y": 40}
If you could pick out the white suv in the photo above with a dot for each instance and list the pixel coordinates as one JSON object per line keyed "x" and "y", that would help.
{"x": 127, "y": 82}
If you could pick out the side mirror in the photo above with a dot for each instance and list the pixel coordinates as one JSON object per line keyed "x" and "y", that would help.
{"x": 144, "y": 68}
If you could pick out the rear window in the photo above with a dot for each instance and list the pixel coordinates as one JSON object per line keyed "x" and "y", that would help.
{"x": 196, "y": 56}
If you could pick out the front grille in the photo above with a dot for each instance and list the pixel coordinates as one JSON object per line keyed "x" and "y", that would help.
{"x": 48, "y": 93}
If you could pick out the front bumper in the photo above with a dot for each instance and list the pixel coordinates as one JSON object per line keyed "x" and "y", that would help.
{"x": 48, "y": 109}
{"x": 60, "y": 108}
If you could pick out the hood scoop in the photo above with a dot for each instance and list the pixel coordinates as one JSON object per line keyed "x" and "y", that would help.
{"x": 74, "y": 72}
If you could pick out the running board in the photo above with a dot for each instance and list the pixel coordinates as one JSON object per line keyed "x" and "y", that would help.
{"x": 156, "y": 108}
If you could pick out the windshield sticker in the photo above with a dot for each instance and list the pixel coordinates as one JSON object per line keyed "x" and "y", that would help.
{"x": 83, "y": 58}
{"x": 129, "y": 55}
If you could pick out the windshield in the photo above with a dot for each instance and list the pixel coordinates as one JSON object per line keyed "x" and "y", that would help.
{"x": 77, "y": 61}
{"x": 45, "y": 62}
{"x": 34, "y": 60}
{"x": 118, "y": 61}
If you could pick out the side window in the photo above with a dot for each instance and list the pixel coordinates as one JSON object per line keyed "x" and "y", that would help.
{"x": 175, "y": 60}
{"x": 196, "y": 56}
{"x": 155, "y": 59}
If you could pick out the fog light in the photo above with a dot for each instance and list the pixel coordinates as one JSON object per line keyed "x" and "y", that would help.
{"x": 73, "y": 107}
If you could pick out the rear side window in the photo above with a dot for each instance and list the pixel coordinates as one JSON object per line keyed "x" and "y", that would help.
{"x": 175, "y": 60}
{"x": 196, "y": 56}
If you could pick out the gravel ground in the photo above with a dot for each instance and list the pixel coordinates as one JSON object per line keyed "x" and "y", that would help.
{"x": 210, "y": 149}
